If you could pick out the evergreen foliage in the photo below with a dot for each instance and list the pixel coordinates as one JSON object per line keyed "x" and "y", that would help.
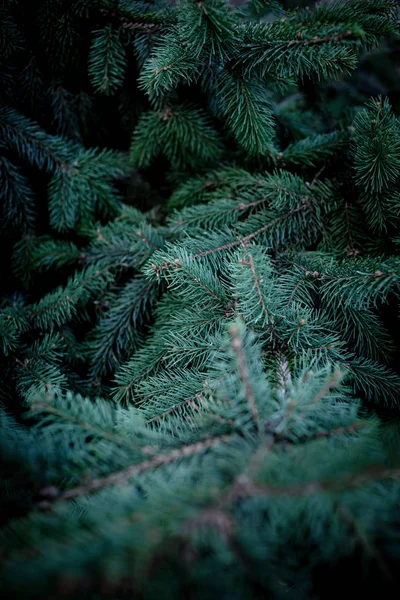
{"x": 198, "y": 323}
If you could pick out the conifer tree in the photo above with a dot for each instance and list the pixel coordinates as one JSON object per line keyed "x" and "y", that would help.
{"x": 200, "y": 383}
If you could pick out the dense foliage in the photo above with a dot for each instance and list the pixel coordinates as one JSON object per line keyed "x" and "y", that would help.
{"x": 199, "y": 315}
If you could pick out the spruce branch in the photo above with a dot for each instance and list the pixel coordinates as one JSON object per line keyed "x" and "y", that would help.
{"x": 367, "y": 544}
{"x": 214, "y": 313}
{"x": 247, "y": 238}
{"x": 33, "y": 143}
{"x": 238, "y": 349}
{"x": 122, "y": 477}
{"x": 246, "y": 488}
{"x": 107, "y": 61}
